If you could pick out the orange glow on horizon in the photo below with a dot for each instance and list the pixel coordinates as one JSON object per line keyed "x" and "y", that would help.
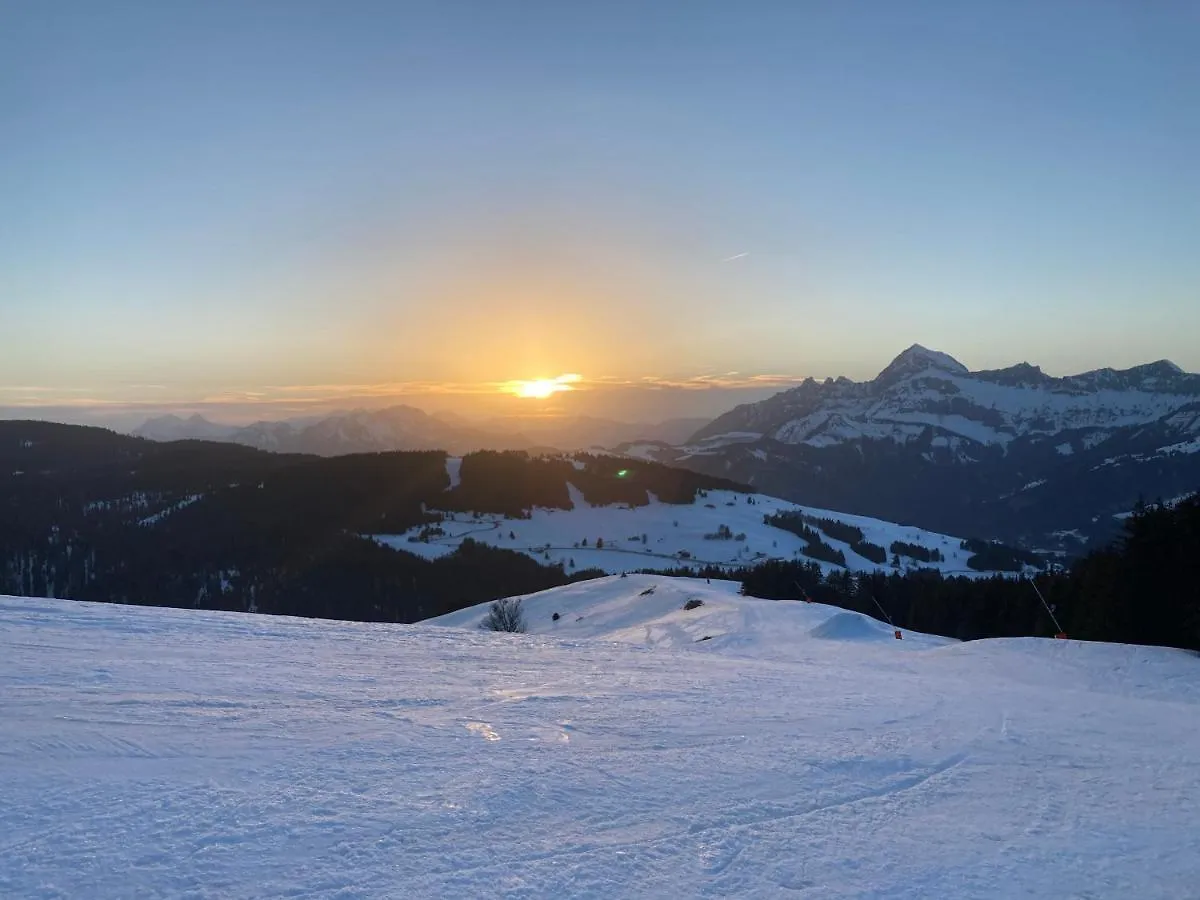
{"x": 541, "y": 388}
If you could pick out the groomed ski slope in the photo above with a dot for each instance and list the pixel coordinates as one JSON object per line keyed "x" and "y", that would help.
{"x": 801, "y": 752}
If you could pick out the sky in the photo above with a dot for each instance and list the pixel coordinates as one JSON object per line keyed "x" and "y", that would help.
{"x": 265, "y": 207}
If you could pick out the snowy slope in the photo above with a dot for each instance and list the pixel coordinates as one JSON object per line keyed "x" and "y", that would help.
{"x": 649, "y": 610}
{"x": 556, "y": 535}
{"x": 156, "y": 752}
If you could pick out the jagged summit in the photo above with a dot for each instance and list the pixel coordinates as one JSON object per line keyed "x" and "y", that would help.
{"x": 917, "y": 359}
{"x": 926, "y": 390}
{"x": 1159, "y": 368}
{"x": 1022, "y": 374}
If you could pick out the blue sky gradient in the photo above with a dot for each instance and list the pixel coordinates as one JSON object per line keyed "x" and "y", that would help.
{"x": 230, "y": 199}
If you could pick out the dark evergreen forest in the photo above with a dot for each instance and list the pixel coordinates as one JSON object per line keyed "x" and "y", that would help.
{"x": 1143, "y": 589}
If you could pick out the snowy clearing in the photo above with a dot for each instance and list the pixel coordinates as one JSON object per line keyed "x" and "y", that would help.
{"x": 675, "y": 535}
{"x": 800, "y": 752}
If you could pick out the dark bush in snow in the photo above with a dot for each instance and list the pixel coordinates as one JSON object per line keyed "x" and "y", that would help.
{"x": 504, "y": 615}
{"x": 694, "y": 603}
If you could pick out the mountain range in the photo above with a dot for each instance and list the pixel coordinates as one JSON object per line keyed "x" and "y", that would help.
{"x": 408, "y": 428}
{"x": 1014, "y": 454}
{"x": 1049, "y": 463}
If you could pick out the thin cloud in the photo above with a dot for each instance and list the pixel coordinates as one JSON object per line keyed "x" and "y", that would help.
{"x": 735, "y": 256}
{"x": 327, "y": 395}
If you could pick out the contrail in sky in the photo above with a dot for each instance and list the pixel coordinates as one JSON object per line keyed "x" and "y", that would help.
{"x": 735, "y": 256}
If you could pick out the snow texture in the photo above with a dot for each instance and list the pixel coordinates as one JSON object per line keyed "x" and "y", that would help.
{"x": 1183, "y": 448}
{"x": 554, "y": 535}
{"x": 170, "y": 753}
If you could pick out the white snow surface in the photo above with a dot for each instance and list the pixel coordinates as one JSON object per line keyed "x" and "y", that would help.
{"x": 454, "y": 471}
{"x": 551, "y": 535}
{"x": 1183, "y": 448}
{"x": 169, "y": 753}
{"x": 644, "y": 451}
{"x": 648, "y": 610}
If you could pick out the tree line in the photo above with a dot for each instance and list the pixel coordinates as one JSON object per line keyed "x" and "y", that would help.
{"x": 1142, "y": 589}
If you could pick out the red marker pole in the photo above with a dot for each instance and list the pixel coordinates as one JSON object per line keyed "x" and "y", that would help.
{"x": 895, "y": 631}
{"x": 1059, "y": 633}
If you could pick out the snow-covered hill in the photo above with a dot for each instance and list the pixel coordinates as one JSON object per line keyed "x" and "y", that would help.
{"x": 167, "y": 753}
{"x": 723, "y": 528}
{"x": 650, "y": 610}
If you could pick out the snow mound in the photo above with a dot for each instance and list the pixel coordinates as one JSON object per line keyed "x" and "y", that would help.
{"x": 649, "y": 610}
{"x": 849, "y": 626}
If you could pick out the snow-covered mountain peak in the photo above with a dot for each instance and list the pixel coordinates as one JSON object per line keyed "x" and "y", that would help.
{"x": 1010, "y": 452}
{"x": 919, "y": 359}
{"x": 925, "y": 389}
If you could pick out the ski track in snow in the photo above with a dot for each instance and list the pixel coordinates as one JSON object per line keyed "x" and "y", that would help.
{"x": 168, "y": 753}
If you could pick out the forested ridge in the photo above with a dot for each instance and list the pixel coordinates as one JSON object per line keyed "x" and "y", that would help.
{"x": 88, "y": 514}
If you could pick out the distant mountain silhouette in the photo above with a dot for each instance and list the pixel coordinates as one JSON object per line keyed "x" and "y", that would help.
{"x": 408, "y": 428}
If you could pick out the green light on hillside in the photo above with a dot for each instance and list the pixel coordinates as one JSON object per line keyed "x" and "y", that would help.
{"x": 622, "y": 473}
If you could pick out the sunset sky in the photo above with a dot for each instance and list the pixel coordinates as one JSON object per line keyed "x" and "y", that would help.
{"x": 264, "y": 207}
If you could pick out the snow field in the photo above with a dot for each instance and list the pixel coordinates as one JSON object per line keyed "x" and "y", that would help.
{"x": 168, "y": 753}
{"x": 550, "y": 535}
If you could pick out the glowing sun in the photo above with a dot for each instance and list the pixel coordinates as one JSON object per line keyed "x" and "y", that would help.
{"x": 541, "y": 388}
